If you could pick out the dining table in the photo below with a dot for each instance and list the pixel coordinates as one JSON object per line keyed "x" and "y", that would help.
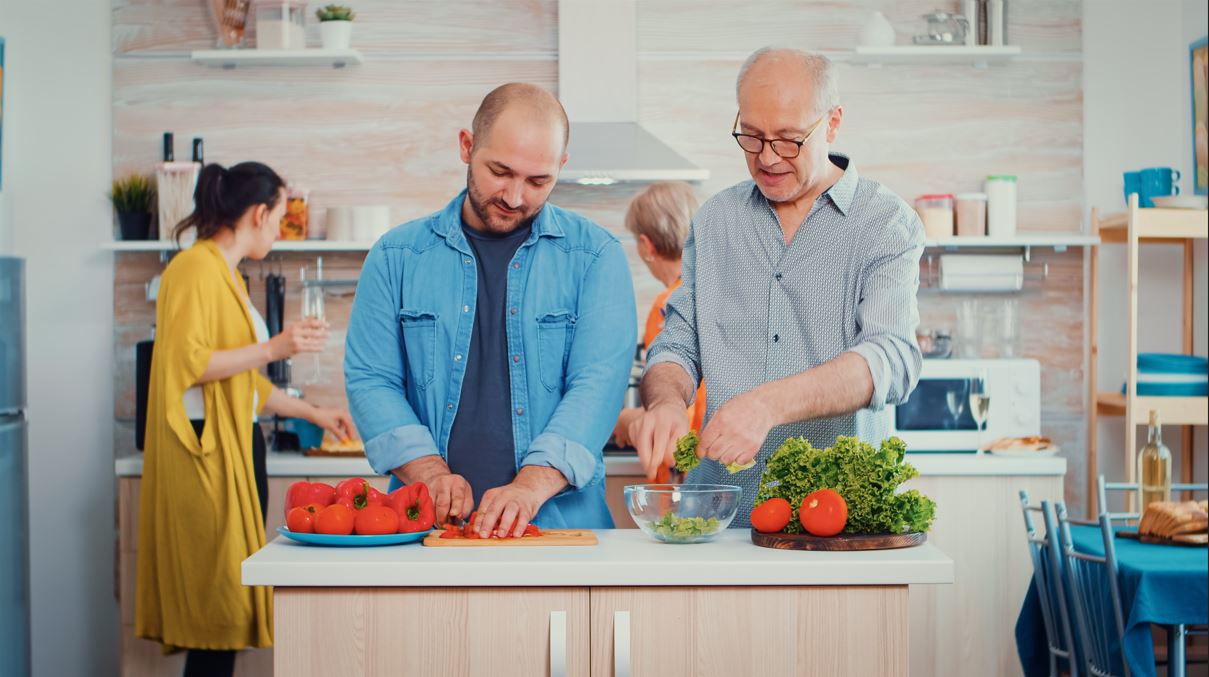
{"x": 1160, "y": 584}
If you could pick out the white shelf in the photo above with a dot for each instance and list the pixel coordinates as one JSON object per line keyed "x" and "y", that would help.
{"x": 1055, "y": 240}
{"x": 283, "y": 246}
{"x": 935, "y": 54}
{"x": 231, "y": 58}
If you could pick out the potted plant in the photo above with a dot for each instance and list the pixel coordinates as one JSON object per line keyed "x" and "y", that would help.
{"x": 335, "y": 26}
{"x": 133, "y": 198}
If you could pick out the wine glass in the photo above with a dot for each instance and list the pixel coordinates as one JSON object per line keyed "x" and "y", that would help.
{"x": 312, "y": 309}
{"x": 955, "y": 399}
{"x": 980, "y": 403}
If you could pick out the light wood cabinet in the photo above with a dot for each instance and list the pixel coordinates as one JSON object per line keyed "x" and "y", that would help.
{"x": 727, "y": 631}
{"x": 432, "y": 631}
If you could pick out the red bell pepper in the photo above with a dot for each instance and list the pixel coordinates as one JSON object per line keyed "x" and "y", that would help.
{"x": 301, "y": 494}
{"x": 414, "y": 506}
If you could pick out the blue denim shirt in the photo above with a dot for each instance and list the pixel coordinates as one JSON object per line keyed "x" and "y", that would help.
{"x": 570, "y": 330}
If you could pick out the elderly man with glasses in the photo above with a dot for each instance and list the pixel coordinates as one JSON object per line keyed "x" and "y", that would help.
{"x": 798, "y": 303}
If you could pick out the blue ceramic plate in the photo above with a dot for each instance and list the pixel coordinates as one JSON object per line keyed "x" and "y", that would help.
{"x": 352, "y": 541}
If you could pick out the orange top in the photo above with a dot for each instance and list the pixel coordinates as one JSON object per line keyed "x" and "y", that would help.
{"x": 654, "y": 325}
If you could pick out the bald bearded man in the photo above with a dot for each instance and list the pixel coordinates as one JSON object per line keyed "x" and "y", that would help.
{"x": 490, "y": 343}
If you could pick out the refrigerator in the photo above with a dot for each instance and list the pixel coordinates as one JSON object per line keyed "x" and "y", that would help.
{"x": 14, "y": 478}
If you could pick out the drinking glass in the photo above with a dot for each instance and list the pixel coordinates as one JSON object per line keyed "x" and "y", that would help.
{"x": 312, "y": 309}
{"x": 980, "y": 404}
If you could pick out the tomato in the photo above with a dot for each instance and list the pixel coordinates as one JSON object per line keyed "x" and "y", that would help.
{"x": 532, "y": 530}
{"x": 823, "y": 513}
{"x": 335, "y": 519}
{"x": 302, "y": 493}
{"x": 771, "y": 516}
{"x": 375, "y": 520}
{"x": 301, "y": 520}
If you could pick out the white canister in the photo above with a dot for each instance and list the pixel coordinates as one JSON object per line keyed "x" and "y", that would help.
{"x": 877, "y": 31}
{"x": 995, "y": 26}
{"x": 340, "y": 224}
{"x": 1001, "y": 205}
{"x": 971, "y": 13}
{"x": 370, "y": 222}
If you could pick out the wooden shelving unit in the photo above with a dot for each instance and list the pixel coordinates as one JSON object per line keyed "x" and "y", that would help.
{"x": 1134, "y": 228}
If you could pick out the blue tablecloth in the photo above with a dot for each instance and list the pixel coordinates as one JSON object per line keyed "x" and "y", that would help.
{"x": 1160, "y": 584}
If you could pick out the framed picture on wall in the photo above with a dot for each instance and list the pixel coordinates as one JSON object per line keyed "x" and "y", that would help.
{"x": 1, "y": 113}
{"x": 1198, "y": 59}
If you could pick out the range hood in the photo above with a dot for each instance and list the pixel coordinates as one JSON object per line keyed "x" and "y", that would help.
{"x": 598, "y": 86}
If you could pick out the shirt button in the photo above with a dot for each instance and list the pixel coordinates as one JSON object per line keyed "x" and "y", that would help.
{"x": 776, "y": 337}
{"x": 466, "y": 261}
{"x": 516, "y": 265}
{"x": 449, "y": 406}
{"x": 516, "y": 358}
{"x": 520, "y": 411}
{"x": 778, "y": 277}
{"x": 457, "y": 358}
{"x": 513, "y": 311}
{"x": 465, "y": 309}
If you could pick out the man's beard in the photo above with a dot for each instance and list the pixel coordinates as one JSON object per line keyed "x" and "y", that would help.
{"x": 479, "y": 205}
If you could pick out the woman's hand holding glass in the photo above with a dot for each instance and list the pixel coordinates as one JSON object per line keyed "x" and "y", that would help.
{"x": 304, "y": 336}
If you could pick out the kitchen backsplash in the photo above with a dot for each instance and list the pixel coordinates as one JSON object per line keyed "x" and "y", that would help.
{"x": 384, "y": 132}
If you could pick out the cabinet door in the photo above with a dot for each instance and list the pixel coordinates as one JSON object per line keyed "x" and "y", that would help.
{"x": 431, "y": 631}
{"x": 728, "y": 631}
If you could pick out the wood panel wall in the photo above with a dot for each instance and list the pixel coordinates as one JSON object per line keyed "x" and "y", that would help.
{"x": 385, "y": 132}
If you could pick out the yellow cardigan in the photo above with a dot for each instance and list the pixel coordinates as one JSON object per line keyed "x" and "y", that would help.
{"x": 199, "y": 512}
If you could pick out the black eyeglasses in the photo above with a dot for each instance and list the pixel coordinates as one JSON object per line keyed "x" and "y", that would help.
{"x": 785, "y": 148}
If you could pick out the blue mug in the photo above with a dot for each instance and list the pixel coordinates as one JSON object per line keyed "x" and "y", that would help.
{"x": 1157, "y": 182}
{"x": 1133, "y": 184}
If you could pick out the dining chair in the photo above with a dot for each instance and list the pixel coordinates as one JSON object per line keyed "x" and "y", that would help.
{"x": 1090, "y": 578}
{"x": 1051, "y": 588}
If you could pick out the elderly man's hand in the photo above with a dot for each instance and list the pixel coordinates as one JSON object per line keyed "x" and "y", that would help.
{"x": 737, "y": 430}
{"x": 654, "y": 435}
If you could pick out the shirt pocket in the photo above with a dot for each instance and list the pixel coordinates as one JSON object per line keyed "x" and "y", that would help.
{"x": 554, "y": 334}
{"x": 419, "y": 344}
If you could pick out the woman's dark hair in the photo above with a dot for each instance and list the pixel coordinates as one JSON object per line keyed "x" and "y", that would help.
{"x": 223, "y": 195}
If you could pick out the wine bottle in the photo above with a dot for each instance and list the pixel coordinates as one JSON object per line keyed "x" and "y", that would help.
{"x": 1154, "y": 466}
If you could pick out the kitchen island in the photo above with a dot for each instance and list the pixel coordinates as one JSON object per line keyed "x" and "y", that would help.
{"x": 628, "y": 605}
{"x": 955, "y": 630}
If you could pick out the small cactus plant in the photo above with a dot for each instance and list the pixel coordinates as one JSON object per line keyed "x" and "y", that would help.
{"x": 335, "y": 13}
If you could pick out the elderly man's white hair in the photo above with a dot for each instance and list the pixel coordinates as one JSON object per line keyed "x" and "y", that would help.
{"x": 817, "y": 66}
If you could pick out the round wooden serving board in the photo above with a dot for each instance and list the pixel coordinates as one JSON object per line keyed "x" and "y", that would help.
{"x": 841, "y": 542}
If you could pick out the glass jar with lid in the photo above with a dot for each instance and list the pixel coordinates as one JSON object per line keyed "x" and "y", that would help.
{"x": 936, "y": 213}
{"x": 280, "y": 24}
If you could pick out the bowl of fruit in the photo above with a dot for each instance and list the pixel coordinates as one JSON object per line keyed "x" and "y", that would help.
{"x": 682, "y": 513}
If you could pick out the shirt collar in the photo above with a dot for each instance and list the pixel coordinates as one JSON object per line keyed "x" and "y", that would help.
{"x": 841, "y": 194}
{"x": 448, "y": 223}
{"x": 844, "y": 190}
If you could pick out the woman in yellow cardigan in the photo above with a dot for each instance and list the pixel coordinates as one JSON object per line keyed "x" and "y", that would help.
{"x": 204, "y": 488}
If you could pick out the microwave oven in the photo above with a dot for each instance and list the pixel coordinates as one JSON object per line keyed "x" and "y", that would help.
{"x": 936, "y": 416}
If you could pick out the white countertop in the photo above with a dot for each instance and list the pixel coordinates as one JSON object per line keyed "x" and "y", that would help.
{"x": 292, "y": 464}
{"x": 624, "y": 557}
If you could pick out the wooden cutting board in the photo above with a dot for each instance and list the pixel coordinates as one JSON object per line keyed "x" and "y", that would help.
{"x": 549, "y": 537}
{"x": 839, "y": 542}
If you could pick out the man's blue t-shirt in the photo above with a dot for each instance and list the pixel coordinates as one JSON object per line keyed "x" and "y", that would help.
{"x": 481, "y": 448}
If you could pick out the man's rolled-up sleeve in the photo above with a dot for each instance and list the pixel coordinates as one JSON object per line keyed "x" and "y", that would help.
{"x": 677, "y": 342}
{"x": 374, "y": 369}
{"x": 888, "y": 313}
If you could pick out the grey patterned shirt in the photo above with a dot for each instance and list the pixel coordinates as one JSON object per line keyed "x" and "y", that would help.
{"x": 752, "y": 309}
